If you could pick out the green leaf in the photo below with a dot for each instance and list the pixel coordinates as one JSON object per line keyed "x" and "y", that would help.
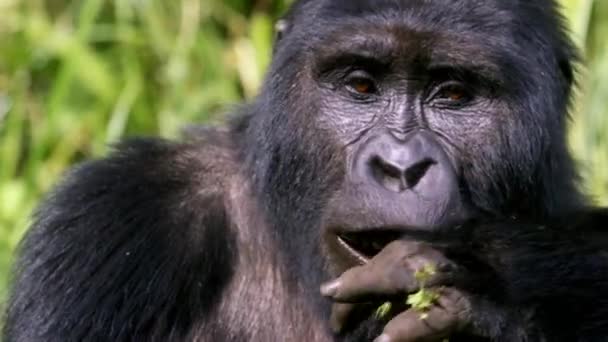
{"x": 423, "y": 299}
{"x": 383, "y": 310}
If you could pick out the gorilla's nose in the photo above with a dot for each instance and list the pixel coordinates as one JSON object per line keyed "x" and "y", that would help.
{"x": 409, "y": 183}
{"x": 404, "y": 165}
{"x": 399, "y": 170}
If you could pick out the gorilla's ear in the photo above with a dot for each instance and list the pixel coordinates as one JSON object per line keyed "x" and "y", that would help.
{"x": 280, "y": 28}
{"x": 284, "y": 25}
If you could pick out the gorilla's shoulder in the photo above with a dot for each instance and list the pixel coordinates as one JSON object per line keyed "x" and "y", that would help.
{"x": 121, "y": 220}
{"x": 144, "y": 171}
{"x": 206, "y": 158}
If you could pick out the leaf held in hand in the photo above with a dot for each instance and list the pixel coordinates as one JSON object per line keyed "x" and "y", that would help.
{"x": 383, "y": 310}
{"x": 422, "y": 300}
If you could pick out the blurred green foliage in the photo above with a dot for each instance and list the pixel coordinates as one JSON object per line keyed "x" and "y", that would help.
{"x": 77, "y": 75}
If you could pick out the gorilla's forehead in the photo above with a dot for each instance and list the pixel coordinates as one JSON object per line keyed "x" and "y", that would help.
{"x": 441, "y": 7}
{"x": 394, "y": 44}
{"x": 495, "y": 18}
{"x": 453, "y": 32}
{"x": 412, "y": 36}
{"x": 422, "y": 13}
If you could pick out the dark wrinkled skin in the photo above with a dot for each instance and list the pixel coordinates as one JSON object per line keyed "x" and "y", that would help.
{"x": 389, "y": 135}
{"x": 391, "y": 274}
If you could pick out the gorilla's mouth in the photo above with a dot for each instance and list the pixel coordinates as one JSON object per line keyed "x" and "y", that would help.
{"x": 364, "y": 245}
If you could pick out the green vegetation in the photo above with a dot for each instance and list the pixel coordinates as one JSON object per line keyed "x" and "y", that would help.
{"x": 422, "y": 300}
{"x": 78, "y": 75}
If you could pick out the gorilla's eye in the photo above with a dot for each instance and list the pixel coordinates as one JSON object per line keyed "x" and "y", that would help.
{"x": 361, "y": 84}
{"x": 452, "y": 94}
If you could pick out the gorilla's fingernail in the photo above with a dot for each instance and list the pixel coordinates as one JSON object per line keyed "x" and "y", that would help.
{"x": 383, "y": 338}
{"x": 330, "y": 289}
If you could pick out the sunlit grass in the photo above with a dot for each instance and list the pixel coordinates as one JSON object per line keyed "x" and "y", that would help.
{"x": 78, "y": 75}
{"x": 589, "y": 133}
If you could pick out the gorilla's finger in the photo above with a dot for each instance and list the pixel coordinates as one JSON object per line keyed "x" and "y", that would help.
{"x": 369, "y": 282}
{"x": 390, "y": 273}
{"x": 456, "y": 304}
{"x": 412, "y": 326}
{"x": 450, "y": 314}
{"x": 409, "y": 326}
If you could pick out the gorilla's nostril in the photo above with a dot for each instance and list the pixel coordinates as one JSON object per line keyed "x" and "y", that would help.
{"x": 416, "y": 172}
{"x": 385, "y": 167}
{"x": 396, "y": 178}
{"x": 388, "y": 175}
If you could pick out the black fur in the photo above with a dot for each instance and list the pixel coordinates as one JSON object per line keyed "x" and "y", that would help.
{"x": 221, "y": 237}
{"x": 117, "y": 253}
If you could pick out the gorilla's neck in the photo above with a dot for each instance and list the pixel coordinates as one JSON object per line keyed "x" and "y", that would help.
{"x": 277, "y": 273}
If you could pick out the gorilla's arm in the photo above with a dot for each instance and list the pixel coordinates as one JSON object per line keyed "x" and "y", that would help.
{"x": 132, "y": 247}
{"x": 550, "y": 280}
{"x": 507, "y": 281}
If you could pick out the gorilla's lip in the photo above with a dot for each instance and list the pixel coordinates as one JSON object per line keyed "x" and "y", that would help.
{"x": 365, "y": 244}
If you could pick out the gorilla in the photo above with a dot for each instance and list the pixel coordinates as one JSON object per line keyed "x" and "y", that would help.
{"x": 390, "y": 137}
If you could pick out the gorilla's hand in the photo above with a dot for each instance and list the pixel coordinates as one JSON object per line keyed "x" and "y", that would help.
{"x": 390, "y": 276}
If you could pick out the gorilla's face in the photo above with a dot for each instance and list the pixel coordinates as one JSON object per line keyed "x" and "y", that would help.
{"x": 409, "y": 110}
{"x": 424, "y": 113}
{"x": 412, "y": 116}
